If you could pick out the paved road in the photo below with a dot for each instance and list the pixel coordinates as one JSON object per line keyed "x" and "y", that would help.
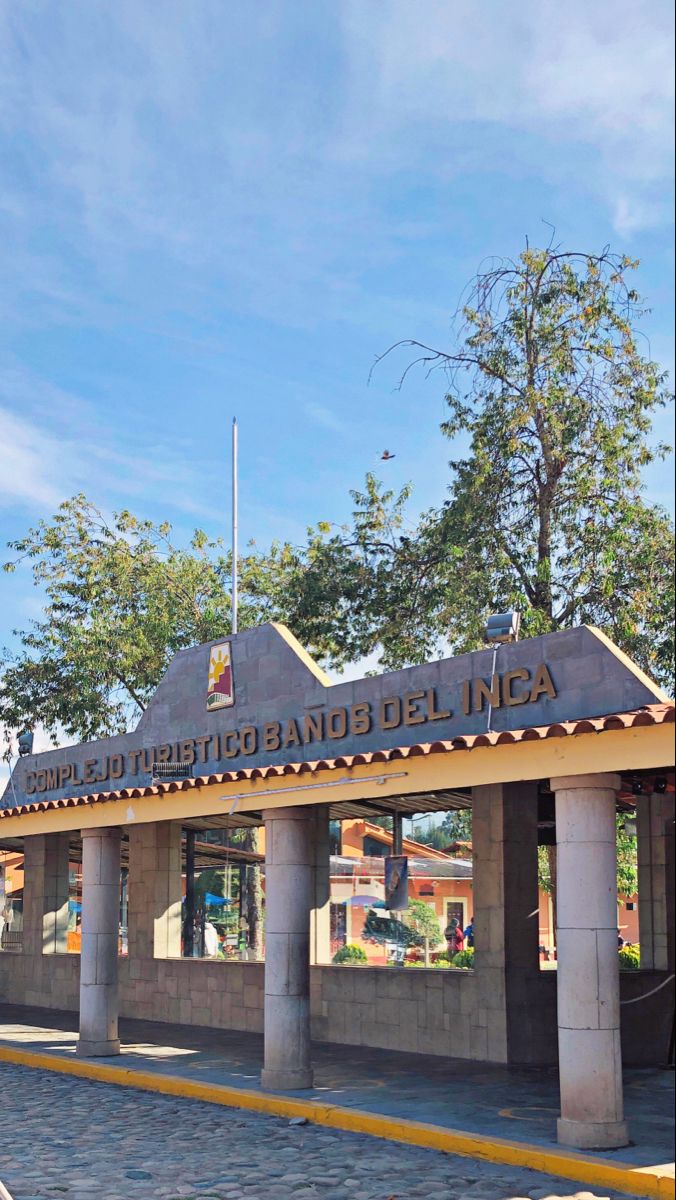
{"x": 72, "y": 1139}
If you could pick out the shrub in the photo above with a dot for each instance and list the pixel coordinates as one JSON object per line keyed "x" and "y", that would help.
{"x": 350, "y": 954}
{"x": 630, "y": 958}
{"x": 465, "y": 959}
{"x": 442, "y": 959}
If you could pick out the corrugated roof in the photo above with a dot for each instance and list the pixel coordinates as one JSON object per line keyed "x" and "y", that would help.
{"x": 650, "y": 714}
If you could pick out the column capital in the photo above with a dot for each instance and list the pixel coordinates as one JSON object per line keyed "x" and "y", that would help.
{"x": 295, "y": 812}
{"x": 102, "y": 831}
{"x": 603, "y": 782}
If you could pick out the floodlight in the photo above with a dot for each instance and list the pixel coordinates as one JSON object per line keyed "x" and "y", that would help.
{"x": 503, "y": 627}
{"x": 660, "y": 786}
{"x": 25, "y": 741}
{"x": 171, "y": 770}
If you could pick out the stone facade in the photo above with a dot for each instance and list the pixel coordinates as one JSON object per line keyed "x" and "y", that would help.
{"x": 655, "y": 830}
{"x": 276, "y": 681}
{"x": 503, "y": 1011}
{"x": 506, "y": 903}
{"x": 417, "y": 1010}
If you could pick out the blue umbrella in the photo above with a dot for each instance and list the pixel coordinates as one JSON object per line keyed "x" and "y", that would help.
{"x": 365, "y": 901}
{"x": 211, "y": 899}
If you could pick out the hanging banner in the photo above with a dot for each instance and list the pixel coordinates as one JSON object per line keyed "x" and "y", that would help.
{"x": 396, "y": 882}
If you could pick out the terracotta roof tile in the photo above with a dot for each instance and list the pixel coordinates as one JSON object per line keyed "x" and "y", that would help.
{"x": 653, "y": 714}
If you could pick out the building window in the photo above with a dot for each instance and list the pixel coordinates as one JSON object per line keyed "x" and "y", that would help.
{"x": 11, "y": 901}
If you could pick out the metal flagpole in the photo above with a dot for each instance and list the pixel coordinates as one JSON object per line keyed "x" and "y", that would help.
{"x": 234, "y": 524}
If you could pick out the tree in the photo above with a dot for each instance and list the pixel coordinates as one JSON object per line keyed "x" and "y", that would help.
{"x": 455, "y": 827}
{"x": 546, "y": 513}
{"x": 121, "y": 600}
{"x": 429, "y": 835}
{"x": 627, "y": 865}
{"x": 627, "y": 859}
{"x": 424, "y": 921}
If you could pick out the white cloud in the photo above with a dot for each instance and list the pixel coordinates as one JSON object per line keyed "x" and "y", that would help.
{"x": 323, "y": 416}
{"x": 60, "y": 446}
{"x": 577, "y": 75}
{"x": 27, "y": 463}
{"x": 261, "y": 142}
{"x": 46, "y": 459}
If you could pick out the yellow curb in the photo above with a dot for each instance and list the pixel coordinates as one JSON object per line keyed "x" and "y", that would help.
{"x": 621, "y": 1177}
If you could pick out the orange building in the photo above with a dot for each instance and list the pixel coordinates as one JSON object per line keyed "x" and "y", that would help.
{"x": 440, "y": 878}
{"x": 441, "y": 881}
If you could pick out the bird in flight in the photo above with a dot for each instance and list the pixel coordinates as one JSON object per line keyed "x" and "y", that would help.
{"x": 386, "y": 454}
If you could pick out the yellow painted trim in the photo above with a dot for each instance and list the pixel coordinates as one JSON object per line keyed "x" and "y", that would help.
{"x": 598, "y": 1172}
{"x": 645, "y": 747}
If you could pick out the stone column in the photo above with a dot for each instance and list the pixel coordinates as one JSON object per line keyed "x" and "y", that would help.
{"x": 654, "y": 819}
{"x": 98, "y": 960}
{"x": 588, "y": 984}
{"x": 55, "y": 913}
{"x": 320, "y": 917}
{"x": 289, "y": 899}
{"x": 154, "y": 891}
{"x": 504, "y": 1026}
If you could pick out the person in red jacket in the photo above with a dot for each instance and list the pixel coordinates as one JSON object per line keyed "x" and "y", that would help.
{"x": 455, "y": 939}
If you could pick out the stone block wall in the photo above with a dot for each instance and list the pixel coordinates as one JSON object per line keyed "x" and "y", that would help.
{"x": 422, "y": 1011}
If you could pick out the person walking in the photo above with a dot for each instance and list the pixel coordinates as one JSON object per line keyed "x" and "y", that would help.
{"x": 454, "y": 937}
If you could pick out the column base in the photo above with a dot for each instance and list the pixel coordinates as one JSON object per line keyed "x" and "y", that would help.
{"x": 592, "y": 1135}
{"x": 286, "y": 1081}
{"x": 104, "y": 1049}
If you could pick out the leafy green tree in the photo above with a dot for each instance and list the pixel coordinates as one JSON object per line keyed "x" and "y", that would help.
{"x": 120, "y": 600}
{"x": 627, "y": 859}
{"x": 423, "y": 919}
{"x": 546, "y": 513}
{"x": 627, "y": 865}
{"x": 430, "y": 835}
{"x": 455, "y": 827}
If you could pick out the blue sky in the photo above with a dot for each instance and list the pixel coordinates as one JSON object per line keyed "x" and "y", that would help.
{"x": 210, "y": 208}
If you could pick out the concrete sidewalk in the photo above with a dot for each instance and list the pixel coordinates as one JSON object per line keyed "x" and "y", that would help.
{"x": 476, "y": 1098}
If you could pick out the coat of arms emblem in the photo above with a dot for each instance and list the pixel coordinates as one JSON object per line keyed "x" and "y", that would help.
{"x": 221, "y": 692}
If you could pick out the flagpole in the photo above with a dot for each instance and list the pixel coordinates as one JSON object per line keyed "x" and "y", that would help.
{"x": 234, "y": 525}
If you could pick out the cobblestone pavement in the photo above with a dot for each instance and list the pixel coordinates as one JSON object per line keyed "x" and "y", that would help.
{"x": 78, "y": 1140}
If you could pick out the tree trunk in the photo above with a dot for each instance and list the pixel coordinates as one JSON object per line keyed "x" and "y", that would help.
{"x": 543, "y": 583}
{"x": 254, "y": 896}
